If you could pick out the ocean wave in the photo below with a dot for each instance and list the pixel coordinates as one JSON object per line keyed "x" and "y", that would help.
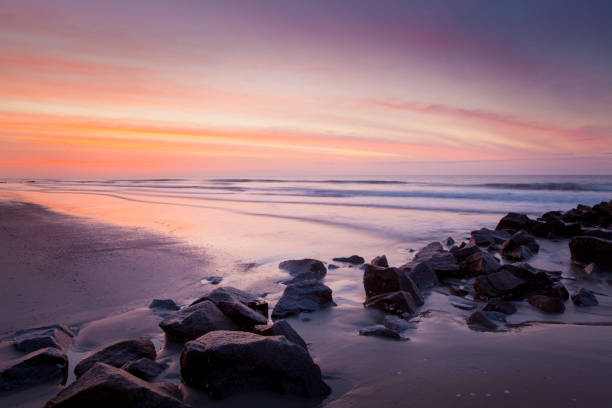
{"x": 548, "y": 186}
{"x": 239, "y": 180}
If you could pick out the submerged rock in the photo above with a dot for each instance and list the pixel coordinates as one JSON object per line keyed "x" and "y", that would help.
{"x": 145, "y": 368}
{"x": 57, "y": 336}
{"x": 107, "y": 386}
{"x": 592, "y": 250}
{"x": 117, "y": 354}
{"x": 515, "y": 222}
{"x": 165, "y": 304}
{"x": 547, "y": 304}
{"x": 304, "y": 269}
{"x": 305, "y": 296}
{"x": 227, "y": 362}
{"x": 353, "y": 259}
{"x": 380, "y": 261}
{"x": 398, "y": 324}
{"x": 41, "y": 366}
{"x": 499, "y": 305}
{"x": 520, "y": 246}
{"x": 379, "y": 331}
{"x": 281, "y": 328}
{"x": 235, "y": 306}
{"x": 584, "y": 297}
{"x": 193, "y": 321}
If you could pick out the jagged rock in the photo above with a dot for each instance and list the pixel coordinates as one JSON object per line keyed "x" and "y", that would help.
{"x": 461, "y": 253}
{"x": 514, "y": 222}
{"x": 305, "y": 296}
{"x": 193, "y": 321}
{"x": 423, "y": 275}
{"x": 591, "y": 250}
{"x": 232, "y": 305}
{"x": 479, "y": 320}
{"x": 499, "y": 305}
{"x": 442, "y": 262}
{"x": 145, "y": 368}
{"x": 591, "y": 269}
{"x": 559, "y": 291}
{"x": 251, "y": 301}
{"x": 117, "y": 354}
{"x": 486, "y": 237}
{"x": 479, "y": 263}
{"x": 499, "y": 284}
{"x": 304, "y": 269}
{"x": 41, "y": 366}
{"x": 107, "y": 386}
{"x": 380, "y": 261}
{"x": 281, "y": 328}
{"x": 449, "y": 241}
{"x": 57, "y": 336}
{"x": 547, "y": 304}
{"x": 353, "y": 259}
{"x": 400, "y": 302}
{"x": 396, "y": 323}
{"x": 227, "y": 362}
{"x": 520, "y": 246}
{"x": 379, "y": 331}
{"x": 379, "y": 280}
{"x": 537, "y": 280}
{"x": 584, "y": 297}
{"x": 166, "y": 304}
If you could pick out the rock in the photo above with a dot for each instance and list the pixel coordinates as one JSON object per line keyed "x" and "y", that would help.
{"x": 228, "y": 362}
{"x": 592, "y": 250}
{"x": 597, "y": 232}
{"x": 591, "y": 269}
{"x": 353, "y": 259}
{"x": 479, "y": 263}
{"x": 448, "y": 241}
{"x": 551, "y": 223}
{"x": 166, "y": 304}
{"x": 499, "y": 284}
{"x": 117, "y": 354}
{"x": 486, "y": 237}
{"x": 41, "y": 366}
{"x": 145, "y": 368}
{"x": 514, "y": 222}
{"x": 332, "y": 266}
{"x": 397, "y": 324}
{"x": 379, "y": 331}
{"x": 584, "y": 297}
{"x": 462, "y": 304}
{"x": 305, "y": 296}
{"x": 107, "y": 386}
{"x": 251, "y": 301}
{"x": 496, "y": 316}
{"x": 378, "y": 280}
{"x": 423, "y": 275}
{"x": 479, "y": 320}
{"x": 57, "y": 336}
{"x": 461, "y": 253}
{"x": 281, "y": 328}
{"x": 229, "y": 301}
{"x": 380, "y": 261}
{"x": 499, "y": 305}
{"x": 442, "y": 262}
{"x": 304, "y": 269}
{"x": 520, "y": 246}
{"x": 214, "y": 280}
{"x": 547, "y": 304}
{"x": 193, "y": 321}
{"x": 170, "y": 388}
{"x": 400, "y": 302}
{"x": 537, "y": 280}
{"x": 559, "y": 291}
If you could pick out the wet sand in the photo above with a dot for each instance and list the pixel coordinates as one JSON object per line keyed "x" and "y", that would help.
{"x": 99, "y": 278}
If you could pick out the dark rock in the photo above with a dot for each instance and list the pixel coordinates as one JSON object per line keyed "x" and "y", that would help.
{"x": 396, "y": 323}
{"x": 461, "y": 253}
{"x": 379, "y": 331}
{"x": 228, "y": 362}
{"x": 214, "y": 280}
{"x": 306, "y": 296}
{"x": 166, "y": 304}
{"x": 232, "y": 305}
{"x": 559, "y": 291}
{"x": 479, "y": 320}
{"x": 598, "y": 232}
{"x": 442, "y": 262}
{"x": 448, "y": 241}
{"x": 378, "y": 280}
{"x": 380, "y": 261}
{"x": 423, "y": 275}
{"x": 547, "y": 304}
{"x": 462, "y": 304}
{"x": 193, "y": 321}
{"x": 499, "y": 305}
{"x": 499, "y": 284}
{"x": 117, "y": 354}
{"x": 332, "y": 266}
{"x": 170, "y": 388}
{"x": 486, "y": 237}
{"x": 480, "y": 263}
{"x": 57, "y": 336}
{"x": 281, "y": 328}
{"x": 400, "y": 302}
{"x": 251, "y": 301}
{"x": 514, "y": 222}
{"x": 584, "y": 297}
{"x": 145, "y": 368}
{"x": 537, "y": 280}
{"x": 304, "y": 269}
{"x": 107, "y": 386}
{"x": 591, "y": 269}
{"x": 591, "y": 249}
{"x": 353, "y": 259}
{"x": 520, "y": 246}
{"x": 496, "y": 316}
{"x": 41, "y": 366}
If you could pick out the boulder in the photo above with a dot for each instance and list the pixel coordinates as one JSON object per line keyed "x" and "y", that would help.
{"x": 304, "y": 269}
{"x": 41, "y": 366}
{"x": 536, "y": 280}
{"x": 479, "y": 263}
{"x": 379, "y": 331}
{"x": 514, "y": 222}
{"x": 559, "y": 291}
{"x": 281, "y": 328}
{"x": 251, "y": 301}
{"x": 591, "y": 269}
{"x": 461, "y": 253}
{"x": 193, "y": 321}
{"x": 228, "y": 362}
{"x": 548, "y": 304}
{"x": 449, "y": 241}
{"x": 353, "y": 259}
{"x": 145, "y": 368}
{"x": 486, "y": 237}
{"x": 480, "y": 321}
{"x": 587, "y": 249}
{"x": 232, "y": 305}
{"x": 380, "y": 261}
{"x": 400, "y": 302}
{"x": 597, "y": 232}
{"x": 500, "y": 306}
{"x": 117, "y": 354}
{"x": 552, "y": 224}
{"x": 378, "y": 280}
{"x": 584, "y": 297}
{"x": 499, "y": 284}
{"x": 442, "y": 262}
{"x": 107, "y": 386}
{"x": 520, "y": 246}
{"x": 305, "y": 296}
{"x": 164, "y": 304}
{"x": 57, "y": 336}
{"x": 423, "y": 275}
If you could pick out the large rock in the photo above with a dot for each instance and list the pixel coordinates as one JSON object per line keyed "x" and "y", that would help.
{"x": 442, "y": 262}
{"x": 145, "y": 368}
{"x": 353, "y": 259}
{"x": 234, "y": 308}
{"x": 191, "y": 322}
{"x": 548, "y": 304}
{"x": 380, "y": 261}
{"x": 502, "y": 284}
{"x": 400, "y": 302}
{"x": 378, "y": 280}
{"x": 107, "y": 386}
{"x": 587, "y": 249}
{"x": 41, "y": 366}
{"x": 305, "y": 296}
{"x": 520, "y": 246}
{"x": 280, "y": 328}
{"x": 228, "y": 362}
{"x": 486, "y": 237}
{"x": 552, "y": 223}
{"x": 480, "y": 263}
{"x": 256, "y": 303}
{"x": 584, "y": 297}
{"x": 117, "y": 354}
{"x": 304, "y": 269}
{"x": 57, "y": 336}
{"x": 463, "y": 252}
{"x": 423, "y": 275}
{"x": 514, "y": 222}
{"x": 537, "y": 281}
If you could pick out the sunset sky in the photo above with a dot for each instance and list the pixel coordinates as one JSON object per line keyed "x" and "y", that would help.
{"x": 151, "y": 88}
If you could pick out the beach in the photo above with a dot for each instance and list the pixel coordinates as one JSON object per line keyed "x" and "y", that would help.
{"x": 94, "y": 255}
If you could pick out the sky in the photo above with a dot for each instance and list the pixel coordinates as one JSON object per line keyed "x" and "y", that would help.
{"x": 241, "y": 87}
